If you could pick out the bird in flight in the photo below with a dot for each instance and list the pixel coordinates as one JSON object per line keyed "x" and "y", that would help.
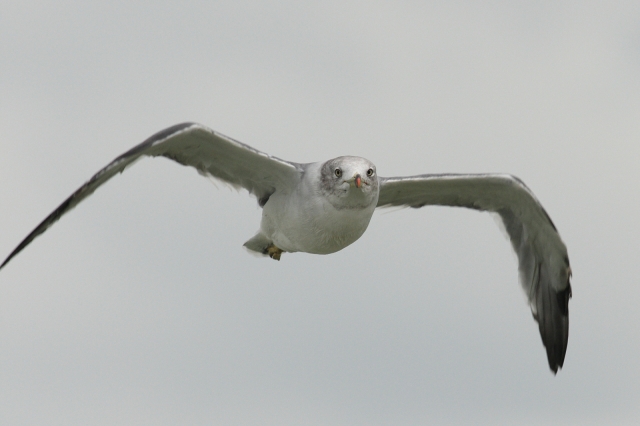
{"x": 323, "y": 207}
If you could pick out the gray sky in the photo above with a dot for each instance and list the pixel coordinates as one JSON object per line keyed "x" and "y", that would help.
{"x": 141, "y": 307}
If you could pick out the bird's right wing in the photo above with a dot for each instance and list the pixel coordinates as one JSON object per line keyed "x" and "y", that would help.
{"x": 190, "y": 144}
{"x": 542, "y": 256}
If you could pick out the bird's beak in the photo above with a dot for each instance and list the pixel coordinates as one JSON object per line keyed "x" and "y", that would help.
{"x": 357, "y": 180}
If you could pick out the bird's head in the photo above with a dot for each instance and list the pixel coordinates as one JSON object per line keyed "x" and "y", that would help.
{"x": 349, "y": 182}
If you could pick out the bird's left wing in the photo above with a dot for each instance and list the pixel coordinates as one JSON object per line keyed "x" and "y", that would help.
{"x": 542, "y": 256}
{"x": 190, "y": 144}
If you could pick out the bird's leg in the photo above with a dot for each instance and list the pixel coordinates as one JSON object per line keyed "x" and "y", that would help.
{"x": 274, "y": 252}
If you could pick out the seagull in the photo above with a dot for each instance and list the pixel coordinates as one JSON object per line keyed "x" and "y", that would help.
{"x": 323, "y": 207}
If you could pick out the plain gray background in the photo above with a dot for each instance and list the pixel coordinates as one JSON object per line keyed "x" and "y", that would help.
{"x": 141, "y": 307}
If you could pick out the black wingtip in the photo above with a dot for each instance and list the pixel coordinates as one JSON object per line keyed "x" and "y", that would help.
{"x": 5, "y": 262}
{"x": 18, "y": 249}
{"x": 14, "y": 253}
{"x": 563, "y": 299}
{"x": 45, "y": 224}
{"x": 555, "y": 333}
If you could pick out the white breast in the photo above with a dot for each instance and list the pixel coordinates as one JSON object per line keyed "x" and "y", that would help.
{"x": 305, "y": 221}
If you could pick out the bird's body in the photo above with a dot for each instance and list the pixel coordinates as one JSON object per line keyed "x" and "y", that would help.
{"x": 323, "y": 207}
{"x": 322, "y": 213}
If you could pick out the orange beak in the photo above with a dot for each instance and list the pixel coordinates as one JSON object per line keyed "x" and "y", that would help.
{"x": 358, "y": 181}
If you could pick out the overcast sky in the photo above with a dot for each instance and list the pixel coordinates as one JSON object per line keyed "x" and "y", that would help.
{"x": 141, "y": 307}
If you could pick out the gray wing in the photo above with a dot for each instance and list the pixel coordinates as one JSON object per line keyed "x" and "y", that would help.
{"x": 542, "y": 256}
{"x": 190, "y": 144}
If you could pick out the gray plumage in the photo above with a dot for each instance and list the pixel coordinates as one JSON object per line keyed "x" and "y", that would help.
{"x": 323, "y": 207}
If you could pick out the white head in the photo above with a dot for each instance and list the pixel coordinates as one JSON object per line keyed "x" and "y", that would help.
{"x": 349, "y": 182}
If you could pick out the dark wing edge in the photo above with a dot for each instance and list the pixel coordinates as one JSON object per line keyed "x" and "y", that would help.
{"x": 543, "y": 262}
{"x": 190, "y": 144}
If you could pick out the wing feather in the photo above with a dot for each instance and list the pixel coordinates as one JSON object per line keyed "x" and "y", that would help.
{"x": 542, "y": 256}
{"x": 190, "y": 144}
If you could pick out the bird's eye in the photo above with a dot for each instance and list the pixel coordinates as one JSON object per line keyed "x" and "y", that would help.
{"x": 370, "y": 172}
{"x": 338, "y": 172}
